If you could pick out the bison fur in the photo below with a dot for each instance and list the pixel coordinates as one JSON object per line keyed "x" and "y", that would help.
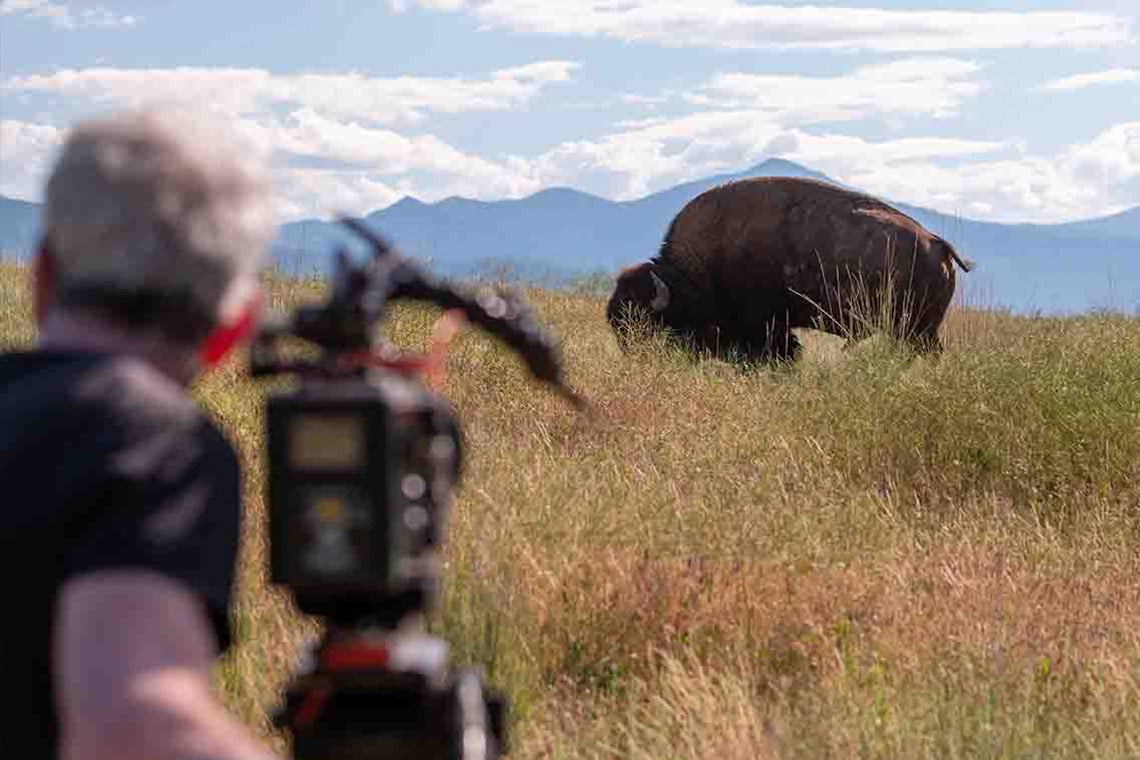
{"x": 744, "y": 263}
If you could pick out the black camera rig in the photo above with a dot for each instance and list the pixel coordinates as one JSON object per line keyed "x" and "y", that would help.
{"x": 363, "y": 460}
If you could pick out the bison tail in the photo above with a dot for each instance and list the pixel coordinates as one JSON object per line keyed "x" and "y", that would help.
{"x": 949, "y": 252}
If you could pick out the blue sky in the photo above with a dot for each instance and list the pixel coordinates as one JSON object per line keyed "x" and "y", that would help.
{"x": 1030, "y": 113}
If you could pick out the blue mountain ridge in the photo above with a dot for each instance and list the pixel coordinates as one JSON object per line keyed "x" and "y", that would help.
{"x": 559, "y": 234}
{"x": 19, "y": 227}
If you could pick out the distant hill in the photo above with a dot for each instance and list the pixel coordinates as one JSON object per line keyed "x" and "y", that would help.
{"x": 558, "y": 234}
{"x": 1125, "y": 225}
{"x": 19, "y": 227}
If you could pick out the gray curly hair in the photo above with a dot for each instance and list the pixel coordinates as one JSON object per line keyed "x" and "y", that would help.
{"x": 155, "y": 218}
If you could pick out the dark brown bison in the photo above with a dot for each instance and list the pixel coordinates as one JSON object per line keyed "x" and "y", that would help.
{"x": 744, "y": 263}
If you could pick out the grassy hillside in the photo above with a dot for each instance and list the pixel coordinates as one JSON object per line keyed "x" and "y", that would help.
{"x": 863, "y": 556}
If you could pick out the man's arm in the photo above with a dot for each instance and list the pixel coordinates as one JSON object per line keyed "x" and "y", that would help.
{"x": 132, "y": 657}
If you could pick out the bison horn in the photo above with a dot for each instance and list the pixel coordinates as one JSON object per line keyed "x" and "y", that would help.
{"x": 660, "y": 293}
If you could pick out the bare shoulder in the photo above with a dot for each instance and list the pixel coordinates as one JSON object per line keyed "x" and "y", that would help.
{"x": 132, "y": 653}
{"x": 142, "y": 619}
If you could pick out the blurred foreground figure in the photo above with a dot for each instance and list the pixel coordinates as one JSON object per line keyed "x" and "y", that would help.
{"x": 119, "y": 520}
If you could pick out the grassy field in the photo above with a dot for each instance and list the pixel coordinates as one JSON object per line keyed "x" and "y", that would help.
{"x": 865, "y": 556}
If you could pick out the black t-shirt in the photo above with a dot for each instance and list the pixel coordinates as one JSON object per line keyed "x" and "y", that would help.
{"x": 104, "y": 463}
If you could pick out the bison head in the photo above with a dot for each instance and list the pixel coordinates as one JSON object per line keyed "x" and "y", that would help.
{"x": 638, "y": 288}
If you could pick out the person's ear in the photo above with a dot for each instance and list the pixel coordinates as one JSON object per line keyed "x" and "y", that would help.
{"x": 226, "y": 336}
{"x": 44, "y": 283}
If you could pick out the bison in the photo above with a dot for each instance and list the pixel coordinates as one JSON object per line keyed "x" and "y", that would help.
{"x": 744, "y": 263}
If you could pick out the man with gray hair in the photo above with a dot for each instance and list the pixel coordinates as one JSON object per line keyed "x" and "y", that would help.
{"x": 121, "y": 512}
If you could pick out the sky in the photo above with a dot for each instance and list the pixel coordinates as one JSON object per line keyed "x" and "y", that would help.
{"x": 1028, "y": 113}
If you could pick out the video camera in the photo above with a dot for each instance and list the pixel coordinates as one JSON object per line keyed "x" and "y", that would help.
{"x": 363, "y": 461}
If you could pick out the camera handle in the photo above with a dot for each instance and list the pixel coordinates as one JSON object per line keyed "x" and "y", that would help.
{"x": 507, "y": 319}
{"x": 344, "y": 326}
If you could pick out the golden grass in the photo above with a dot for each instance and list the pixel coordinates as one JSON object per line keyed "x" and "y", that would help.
{"x": 866, "y": 555}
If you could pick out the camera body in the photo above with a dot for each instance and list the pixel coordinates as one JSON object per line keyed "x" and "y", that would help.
{"x": 362, "y": 474}
{"x": 363, "y": 459}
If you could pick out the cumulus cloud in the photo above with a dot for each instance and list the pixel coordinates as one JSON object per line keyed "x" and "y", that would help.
{"x": 978, "y": 178}
{"x": 313, "y": 192}
{"x": 333, "y": 137}
{"x": 66, "y": 15}
{"x": 1085, "y": 179}
{"x": 737, "y": 24}
{"x": 653, "y": 154}
{"x": 1111, "y": 159}
{"x": 25, "y": 152}
{"x": 431, "y": 170}
{"x": 400, "y": 6}
{"x": 649, "y": 155}
{"x": 910, "y": 87}
{"x": 634, "y": 98}
{"x": 847, "y": 153}
{"x": 746, "y": 112}
{"x": 353, "y": 143}
{"x": 321, "y": 166}
{"x": 1082, "y": 81}
{"x": 382, "y": 152}
{"x": 345, "y": 95}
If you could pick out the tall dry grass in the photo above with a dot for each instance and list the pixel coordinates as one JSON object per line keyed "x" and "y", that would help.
{"x": 866, "y": 555}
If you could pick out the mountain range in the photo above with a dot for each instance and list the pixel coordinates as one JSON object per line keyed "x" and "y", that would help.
{"x": 560, "y": 234}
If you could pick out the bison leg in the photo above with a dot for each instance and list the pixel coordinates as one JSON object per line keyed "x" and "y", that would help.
{"x": 776, "y": 345}
{"x": 786, "y": 348}
{"x": 926, "y": 342}
{"x": 923, "y": 338}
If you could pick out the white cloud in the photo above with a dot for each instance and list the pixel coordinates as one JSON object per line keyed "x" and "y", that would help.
{"x": 747, "y": 112}
{"x": 66, "y": 16}
{"x": 653, "y": 154}
{"x": 644, "y": 100}
{"x": 354, "y": 143}
{"x": 25, "y": 150}
{"x": 308, "y": 192}
{"x": 424, "y": 167}
{"x": 911, "y": 87}
{"x": 321, "y": 166}
{"x": 845, "y": 153}
{"x": 346, "y": 95}
{"x": 400, "y": 6}
{"x": 736, "y": 24}
{"x": 1111, "y": 159}
{"x": 330, "y": 135}
{"x": 1085, "y": 179}
{"x": 1081, "y": 81}
{"x": 22, "y": 141}
{"x": 383, "y": 152}
{"x": 978, "y": 178}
